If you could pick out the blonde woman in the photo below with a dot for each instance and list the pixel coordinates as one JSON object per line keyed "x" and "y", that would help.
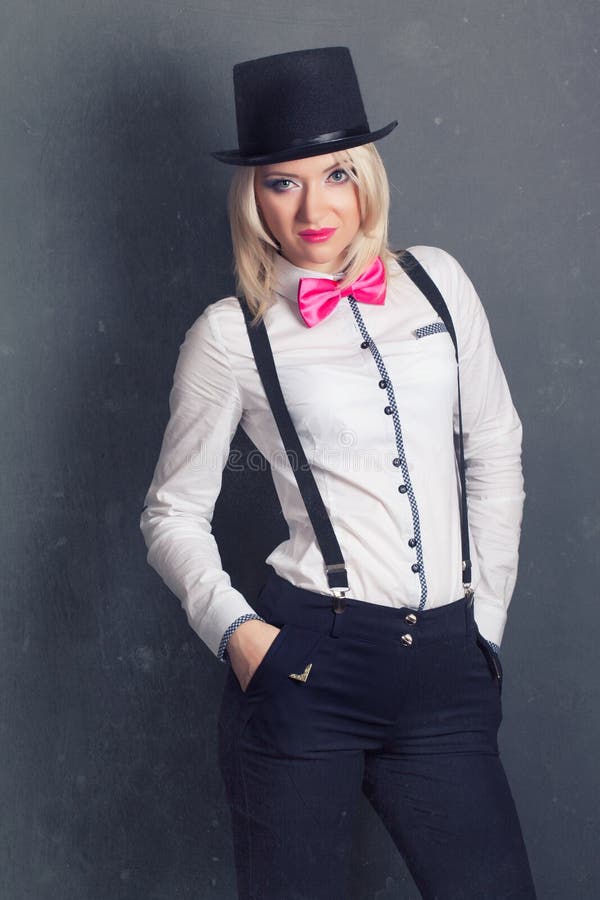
{"x": 369, "y": 661}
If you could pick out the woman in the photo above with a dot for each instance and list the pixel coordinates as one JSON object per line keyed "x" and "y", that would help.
{"x": 365, "y": 663}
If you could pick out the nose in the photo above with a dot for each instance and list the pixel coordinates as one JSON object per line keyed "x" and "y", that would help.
{"x": 312, "y": 206}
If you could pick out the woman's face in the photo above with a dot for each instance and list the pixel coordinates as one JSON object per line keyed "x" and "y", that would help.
{"x": 311, "y": 208}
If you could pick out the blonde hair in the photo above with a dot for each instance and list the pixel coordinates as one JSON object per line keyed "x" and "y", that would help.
{"x": 255, "y": 251}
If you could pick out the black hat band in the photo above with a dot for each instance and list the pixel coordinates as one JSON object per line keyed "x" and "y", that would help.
{"x": 309, "y": 142}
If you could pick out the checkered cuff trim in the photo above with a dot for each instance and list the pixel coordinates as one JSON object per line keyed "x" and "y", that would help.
{"x": 426, "y": 330}
{"x": 222, "y": 651}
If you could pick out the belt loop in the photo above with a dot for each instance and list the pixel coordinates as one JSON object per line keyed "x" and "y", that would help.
{"x": 337, "y": 624}
{"x": 469, "y": 621}
{"x": 339, "y": 603}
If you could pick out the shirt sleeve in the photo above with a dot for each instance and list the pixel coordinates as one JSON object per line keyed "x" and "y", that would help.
{"x": 205, "y": 409}
{"x": 492, "y": 437}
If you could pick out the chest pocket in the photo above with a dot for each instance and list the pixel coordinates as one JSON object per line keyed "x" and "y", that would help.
{"x": 427, "y": 330}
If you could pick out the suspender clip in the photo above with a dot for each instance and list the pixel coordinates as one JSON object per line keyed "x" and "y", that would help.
{"x": 469, "y": 592}
{"x": 339, "y": 591}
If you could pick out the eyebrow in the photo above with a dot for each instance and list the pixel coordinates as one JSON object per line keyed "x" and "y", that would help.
{"x": 290, "y": 175}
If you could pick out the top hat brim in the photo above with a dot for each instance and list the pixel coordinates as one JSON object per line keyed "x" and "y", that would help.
{"x": 315, "y": 147}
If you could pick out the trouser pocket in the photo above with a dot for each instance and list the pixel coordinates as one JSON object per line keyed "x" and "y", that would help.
{"x": 281, "y": 695}
{"x": 272, "y": 649}
{"x": 492, "y": 658}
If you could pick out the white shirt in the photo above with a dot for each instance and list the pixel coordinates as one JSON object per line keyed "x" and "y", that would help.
{"x": 332, "y": 389}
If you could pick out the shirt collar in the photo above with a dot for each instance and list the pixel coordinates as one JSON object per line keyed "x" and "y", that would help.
{"x": 286, "y": 277}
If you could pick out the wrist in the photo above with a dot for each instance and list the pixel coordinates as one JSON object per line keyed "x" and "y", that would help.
{"x": 231, "y": 630}
{"x": 243, "y": 633}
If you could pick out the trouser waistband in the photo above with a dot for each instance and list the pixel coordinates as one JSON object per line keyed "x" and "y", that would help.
{"x": 280, "y": 602}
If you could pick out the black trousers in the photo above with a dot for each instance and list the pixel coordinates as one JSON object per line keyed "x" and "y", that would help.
{"x": 401, "y": 705}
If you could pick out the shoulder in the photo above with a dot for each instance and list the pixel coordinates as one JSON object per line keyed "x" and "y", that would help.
{"x": 217, "y": 319}
{"x": 451, "y": 280}
{"x": 439, "y": 264}
{"x": 205, "y": 343}
{"x": 455, "y": 286}
{"x": 215, "y": 331}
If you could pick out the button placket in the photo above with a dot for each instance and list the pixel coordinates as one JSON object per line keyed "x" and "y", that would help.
{"x": 400, "y": 460}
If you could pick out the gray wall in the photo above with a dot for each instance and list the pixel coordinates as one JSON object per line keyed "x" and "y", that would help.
{"x": 114, "y": 238}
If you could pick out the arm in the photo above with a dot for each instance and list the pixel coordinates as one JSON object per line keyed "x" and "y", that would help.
{"x": 492, "y": 434}
{"x": 205, "y": 409}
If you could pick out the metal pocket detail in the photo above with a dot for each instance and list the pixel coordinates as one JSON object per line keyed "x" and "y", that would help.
{"x": 283, "y": 688}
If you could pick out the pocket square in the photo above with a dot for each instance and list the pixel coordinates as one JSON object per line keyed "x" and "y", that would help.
{"x": 426, "y": 330}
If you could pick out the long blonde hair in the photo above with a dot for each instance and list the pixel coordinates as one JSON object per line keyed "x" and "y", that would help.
{"x": 255, "y": 251}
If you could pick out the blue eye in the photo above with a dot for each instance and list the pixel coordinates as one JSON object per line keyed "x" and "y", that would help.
{"x": 280, "y": 184}
{"x": 339, "y": 176}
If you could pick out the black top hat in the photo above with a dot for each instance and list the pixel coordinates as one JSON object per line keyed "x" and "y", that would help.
{"x": 299, "y": 104}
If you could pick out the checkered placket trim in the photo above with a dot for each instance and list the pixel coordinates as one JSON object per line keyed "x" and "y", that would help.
{"x": 494, "y": 646}
{"x": 426, "y": 330}
{"x": 400, "y": 447}
{"x": 222, "y": 651}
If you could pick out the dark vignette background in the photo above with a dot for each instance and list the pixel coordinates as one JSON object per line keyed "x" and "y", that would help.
{"x": 114, "y": 238}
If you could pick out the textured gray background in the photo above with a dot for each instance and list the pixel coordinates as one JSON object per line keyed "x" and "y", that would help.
{"x": 114, "y": 238}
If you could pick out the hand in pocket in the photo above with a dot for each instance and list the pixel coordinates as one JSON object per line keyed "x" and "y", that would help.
{"x": 247, "y": 648}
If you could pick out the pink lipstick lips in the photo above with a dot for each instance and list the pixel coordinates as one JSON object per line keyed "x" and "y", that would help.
{"x": 316, "y": 237}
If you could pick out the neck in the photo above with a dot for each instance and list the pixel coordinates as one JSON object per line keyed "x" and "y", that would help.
{"x": 300, "y": 271}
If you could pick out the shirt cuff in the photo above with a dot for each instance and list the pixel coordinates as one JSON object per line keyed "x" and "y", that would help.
{"x": 494, "y": 646}
{"x": 222, "y": 654}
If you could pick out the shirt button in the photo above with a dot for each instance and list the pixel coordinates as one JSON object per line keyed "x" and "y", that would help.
{"x": 383, "y": 383}
{"x": 416, "y": 567}
{"x": 364, "y": 345}
{"x": 402, "y": 488}
{"x": 412, "y": 542}
{"x": 388, "y": 410}
{"x": 396, "y": 462}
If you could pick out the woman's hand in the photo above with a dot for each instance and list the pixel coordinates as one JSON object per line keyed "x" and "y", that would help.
{"x": 247, "y": 646}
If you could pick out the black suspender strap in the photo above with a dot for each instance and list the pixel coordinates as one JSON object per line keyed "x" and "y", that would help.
{"x": 427, "y": 286}
{"x": 335, "y": 566}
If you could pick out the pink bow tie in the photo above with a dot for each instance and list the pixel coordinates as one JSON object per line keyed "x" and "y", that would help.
{"x": 318, "y": 297}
